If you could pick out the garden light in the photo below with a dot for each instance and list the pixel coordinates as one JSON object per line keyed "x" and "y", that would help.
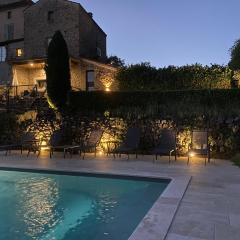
{"x": 192, "y": 154}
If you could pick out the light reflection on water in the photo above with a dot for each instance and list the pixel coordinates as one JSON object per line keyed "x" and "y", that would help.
{"x": 37, "y": 205}
{"x": 54, "y": 207}
{"x": 107, "y": 202}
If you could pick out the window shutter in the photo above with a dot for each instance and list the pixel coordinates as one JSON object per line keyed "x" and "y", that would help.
{"x": 11, "y": 32}
{"x": 6, "y": 32}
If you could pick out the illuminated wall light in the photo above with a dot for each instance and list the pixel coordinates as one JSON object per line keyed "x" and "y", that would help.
{"x": 192, "y": 154}
{"x": 100, "y": 153}
{"x": 31, "y": 64}
{"x": 44, "y": 146}
{"x": 107, "y": 89}
{"x": 43, "y": 142}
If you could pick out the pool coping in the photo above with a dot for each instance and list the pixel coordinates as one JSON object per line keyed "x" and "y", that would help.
{"x": 157, "y": 222}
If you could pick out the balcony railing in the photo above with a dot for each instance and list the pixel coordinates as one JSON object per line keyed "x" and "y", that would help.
{"x": 19, "y": 97}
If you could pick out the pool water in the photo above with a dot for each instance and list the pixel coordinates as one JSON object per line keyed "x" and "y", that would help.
{"x": 61, "y": 207}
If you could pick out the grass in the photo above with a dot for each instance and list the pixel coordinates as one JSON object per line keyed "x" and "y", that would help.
{"x": 236, "y": 159}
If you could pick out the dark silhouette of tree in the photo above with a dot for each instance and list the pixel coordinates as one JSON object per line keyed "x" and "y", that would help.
{"x": 234, "y": 63}
{"x": 115, "y": 61}
{"x": 58, "y": 71}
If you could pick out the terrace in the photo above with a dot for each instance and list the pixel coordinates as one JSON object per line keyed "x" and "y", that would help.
{"x": 201, "y": 203}
{"x": 92, "y": 148}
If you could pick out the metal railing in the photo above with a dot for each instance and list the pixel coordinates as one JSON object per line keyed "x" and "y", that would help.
{"x": 18, "y": 97}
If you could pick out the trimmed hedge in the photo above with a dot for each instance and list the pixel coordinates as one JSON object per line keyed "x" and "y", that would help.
{"x": 143, "y": 76}
{"x": 218, "y": 110}
{"x": 175, "y": 104}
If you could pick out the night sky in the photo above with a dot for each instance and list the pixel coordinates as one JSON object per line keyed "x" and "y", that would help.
{"x": 168, "y": 32}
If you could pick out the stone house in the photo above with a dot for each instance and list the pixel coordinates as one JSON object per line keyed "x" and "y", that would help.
{"x": 26, "y": 29}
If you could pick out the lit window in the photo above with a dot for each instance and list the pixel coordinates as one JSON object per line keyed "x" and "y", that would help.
{"x": 90, "y": 76}
{"x": 19, "y": 52}
{"x": 9, "y": 14}
{"x": 50, "y": 16}
{"x": 3, "y": 54}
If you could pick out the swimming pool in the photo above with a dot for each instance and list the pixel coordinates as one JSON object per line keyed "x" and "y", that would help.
{"x": 46, "y": 206}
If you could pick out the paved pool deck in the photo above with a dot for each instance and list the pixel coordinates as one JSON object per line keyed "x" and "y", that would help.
{"x": 203, "y": 201}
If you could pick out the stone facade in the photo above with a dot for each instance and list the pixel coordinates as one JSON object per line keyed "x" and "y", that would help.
{"x": 103, "y": 75}
{"x": 11, "y": 15}
{"x": 35, "y": 25}
{"x": 25, "y": 74}
{"x": 16, "y": 18}
{"x": 82, "y": 34}
{"x": 5, "y": 73}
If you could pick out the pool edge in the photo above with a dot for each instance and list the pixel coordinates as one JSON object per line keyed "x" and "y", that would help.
{"x": 156, "y": 223}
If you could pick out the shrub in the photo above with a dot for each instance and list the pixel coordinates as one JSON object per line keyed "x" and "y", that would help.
{"x": 145, "y": 77}
{"x": 8, "y": 128}
{"x": 236, "y": 159}
{"x": 218, "y": 110}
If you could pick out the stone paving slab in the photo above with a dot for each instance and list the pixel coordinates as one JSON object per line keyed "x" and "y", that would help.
{"x": 209, "y": 210}
{"x": 193, "y": 228}
{"x": 235, "y": 220}
{"x": 173, "y": 236}
{"x": 226, "y": 232}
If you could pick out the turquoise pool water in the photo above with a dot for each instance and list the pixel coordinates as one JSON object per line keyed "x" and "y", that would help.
{"x": 61, "y": 207}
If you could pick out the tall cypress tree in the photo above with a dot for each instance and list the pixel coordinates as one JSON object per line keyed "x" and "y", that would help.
{"x": 58, "y": 71}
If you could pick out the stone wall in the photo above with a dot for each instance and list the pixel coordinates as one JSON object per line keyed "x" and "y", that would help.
{"x": 77, "y": 77}
{"x": 38, "y": 29}
{"x": 81, "y": 33}
{"x": 26, "y": 74}
{"x": 91, "y": 37}
{"x": 12, "y": 50}
{"x": 17, "y": 19}
{"x": 5, "y": 73}
{"x": 104, "y": 75}
{"x": 5, "y": 2}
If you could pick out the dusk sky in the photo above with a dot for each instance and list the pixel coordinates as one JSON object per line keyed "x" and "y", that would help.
{"x": 168, "y": 32}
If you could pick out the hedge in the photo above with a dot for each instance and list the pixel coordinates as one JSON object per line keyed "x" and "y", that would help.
{"x": 214, "y": 103}
{"x": 143, "y": 76}
{"x": 217, "y": 110}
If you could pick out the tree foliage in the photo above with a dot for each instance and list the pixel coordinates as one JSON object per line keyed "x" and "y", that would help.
{"x": 145, "y": 77}
{"x": 58, "y": 71}
{"x": 234, "y": 63}
{"x": 115, "y": 61}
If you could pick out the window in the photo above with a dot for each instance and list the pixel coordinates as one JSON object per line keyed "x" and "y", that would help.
{"x": 3, "y": 54}
{"x": 19, "y": 52}
{"x": 9, "y": 31}
{"x": 9, "y": 14}
{"x": 50, "y": 16}
{"x": 90, "y": 76}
